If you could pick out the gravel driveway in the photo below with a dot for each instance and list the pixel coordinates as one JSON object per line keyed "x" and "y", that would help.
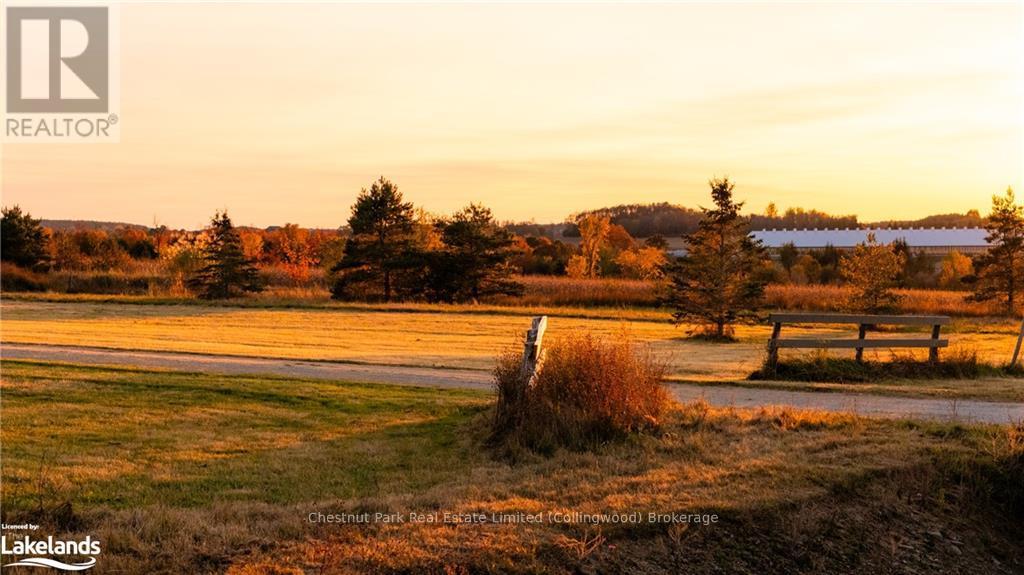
{"x": 718, "y": 395}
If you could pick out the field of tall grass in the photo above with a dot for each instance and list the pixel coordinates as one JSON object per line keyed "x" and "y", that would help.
{"x": 548, "y": 290}
{"x": 912, "y": 301}
{"x": 151, "y": 279}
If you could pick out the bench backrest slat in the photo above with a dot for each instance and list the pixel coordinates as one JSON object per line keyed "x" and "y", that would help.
{"x": 845, "y": 318}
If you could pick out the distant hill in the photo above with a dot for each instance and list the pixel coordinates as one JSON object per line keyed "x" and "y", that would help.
{"x": 531, "y": 229}
{"x": 971, "y": 219}
{"x": 672, "y": 221}
{"x": 669, "y": 220}
{"x": 645, "y": 220}
{"x": 62, "y": 225}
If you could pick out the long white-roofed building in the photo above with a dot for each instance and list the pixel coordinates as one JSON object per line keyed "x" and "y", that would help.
{"x": 927, "y": 240}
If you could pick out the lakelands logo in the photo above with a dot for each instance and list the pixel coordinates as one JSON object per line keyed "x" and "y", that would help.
{"x": 62, "y": 78}
{"x": 49, "y": 546}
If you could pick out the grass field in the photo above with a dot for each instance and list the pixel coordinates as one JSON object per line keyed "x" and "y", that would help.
{"x": 539, "y": 291}
{"x": 192, "y": 473}
{"x": 443, "y": 336}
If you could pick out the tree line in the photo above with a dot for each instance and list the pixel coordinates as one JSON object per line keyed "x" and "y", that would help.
{"x": 389, "y": 250}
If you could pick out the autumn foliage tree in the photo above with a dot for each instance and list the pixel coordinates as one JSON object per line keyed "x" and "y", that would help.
{"x": 873, "y": 270}
{"x": 999, "y": 272}
{"x": 646, "y": 263}
{"x": 594, "y": 230}
{"x": 718, "y": 282}
{"x": 226, "y": 271}
{"x": 954, "y": 268}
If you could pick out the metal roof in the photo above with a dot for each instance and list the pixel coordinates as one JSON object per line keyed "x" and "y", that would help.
{"x": 849, "y": 238}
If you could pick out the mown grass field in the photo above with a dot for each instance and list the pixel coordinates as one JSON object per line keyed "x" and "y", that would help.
{"x": 464, "y": 337}
{"x": 189, "y": 473}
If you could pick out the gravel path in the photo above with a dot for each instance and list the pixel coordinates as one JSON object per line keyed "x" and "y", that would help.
{"x": 719, "y": 395}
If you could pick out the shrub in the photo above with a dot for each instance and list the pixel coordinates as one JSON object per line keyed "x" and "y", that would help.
{"x": 14, "y": 278}
{"x": 588, "y": 391}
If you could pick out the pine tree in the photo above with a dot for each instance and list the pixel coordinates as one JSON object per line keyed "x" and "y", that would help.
{"x": 22, "y": 238}
{"x": 718, "y": 281}
{"x": 1000, "y": 270}
{"x": 226, "y": 272}
{"x": 475, "y": 260}
{"x": 874, "y": 271}
{"x": 381, "y": 248}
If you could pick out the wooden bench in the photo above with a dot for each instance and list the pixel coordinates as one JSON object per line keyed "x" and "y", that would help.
{"x": 861, "y": 343}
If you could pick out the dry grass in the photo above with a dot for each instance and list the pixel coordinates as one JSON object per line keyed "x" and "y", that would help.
{"x": 793, "y": 491}
{"x": 150, "y": 280}
{"x": 587, "y": 391}
{"x": 463, "y": 337}
{"x": 836, "y": 299}
{"x": 563, "y": 291}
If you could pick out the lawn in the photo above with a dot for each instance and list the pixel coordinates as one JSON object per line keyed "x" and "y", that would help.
{"x": 465, "y": 337}
{"x": 178, "y": 472}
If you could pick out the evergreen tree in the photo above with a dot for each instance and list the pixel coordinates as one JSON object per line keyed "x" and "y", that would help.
{"x": 22, "y": 238}
{"x": 226, "y": 271}
{"x": 718, "y": 281}
{"x": 381, "y": 248}
{"x": 475, "y": 260}
{"x": 1000, "y": 271}
{"x": 873, "y": 270}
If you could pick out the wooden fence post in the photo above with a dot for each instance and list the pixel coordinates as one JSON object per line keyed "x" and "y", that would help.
{"x": 1016, "y": 350}
{"x": 533, "y": 355}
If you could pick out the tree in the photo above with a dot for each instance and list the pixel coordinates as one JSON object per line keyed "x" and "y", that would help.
{"x": 828, "y": 264}
{"x": 657, "y": 241}
{"x": 594, "y": 231}
{"x": 788, "y": 256}
{"x": 999, "y": 272}
{"x": 955, "y": 267}
{"x": 646, "y": 263}
{"x": 618, "y": 238}
{"x": 226, "y": 272}
{"x": 718, "y": 281}
{"x": 918, "y": 267}
{"x": 381, "y": 246}
{"x": 873, "y": 270}
{"x": 291, "y": 248}
{"x": 22, "y": 238}
{"x": 475, "y": 260}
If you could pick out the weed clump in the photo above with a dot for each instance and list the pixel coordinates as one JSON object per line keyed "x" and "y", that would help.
{"x": 587, "y": 391}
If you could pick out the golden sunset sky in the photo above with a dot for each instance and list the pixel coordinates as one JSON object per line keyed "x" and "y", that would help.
{"x": 281, "y": 113}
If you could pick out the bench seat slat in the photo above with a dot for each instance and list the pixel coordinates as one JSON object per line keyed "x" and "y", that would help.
{"x": 859, "y": 319}
{"x": 807, "y": 343}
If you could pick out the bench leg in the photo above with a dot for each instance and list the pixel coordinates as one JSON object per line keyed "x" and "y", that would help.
{"x": 862, "y": 335}
{"x": 773, "y": 348}
{"x": 933, "y": 352}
